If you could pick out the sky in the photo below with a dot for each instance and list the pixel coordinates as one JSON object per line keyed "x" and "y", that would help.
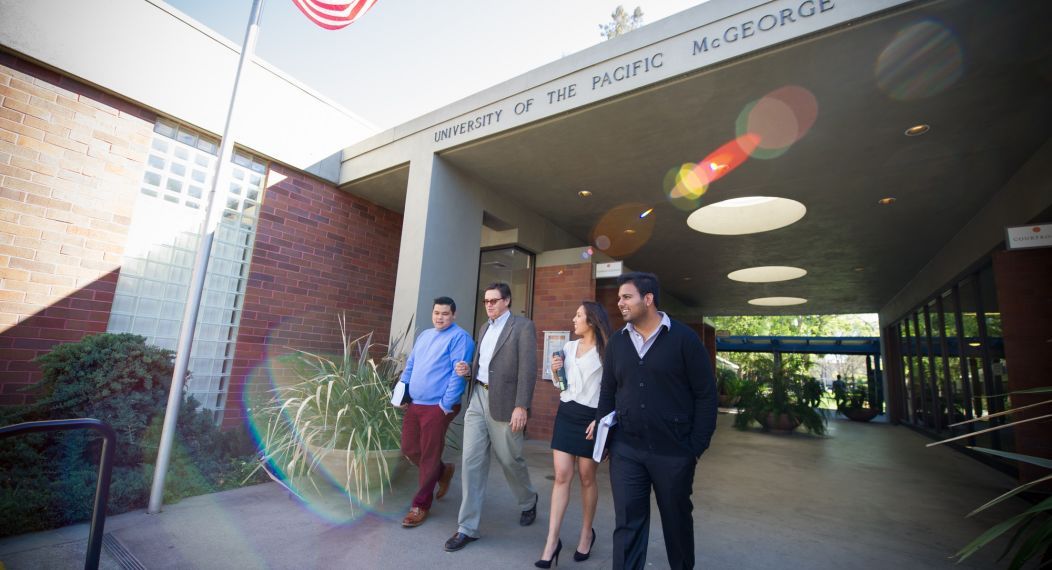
{"x": 408, "y": 57}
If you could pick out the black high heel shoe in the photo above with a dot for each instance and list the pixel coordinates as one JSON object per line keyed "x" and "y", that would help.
{"x": 578, "y": 557}
{"x": 555, "y": 557}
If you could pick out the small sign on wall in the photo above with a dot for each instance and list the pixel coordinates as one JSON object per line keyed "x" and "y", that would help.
{"x": 1025, "y": 237}
{"x": 553, "y": 340}
{"x": 612, "y": 269}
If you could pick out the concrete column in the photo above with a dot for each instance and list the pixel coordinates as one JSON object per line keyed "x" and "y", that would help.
{"x": 439, "y": 252}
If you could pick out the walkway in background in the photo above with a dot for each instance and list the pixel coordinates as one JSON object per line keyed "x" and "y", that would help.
{"x": 868, "y": 496}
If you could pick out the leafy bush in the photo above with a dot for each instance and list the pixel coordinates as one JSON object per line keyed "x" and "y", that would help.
{"x": 48, "y": 480}
{"x": 775, "y": 392}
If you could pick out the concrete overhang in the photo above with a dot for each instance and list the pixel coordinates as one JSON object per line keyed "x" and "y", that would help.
{"x": 986, "y": 94}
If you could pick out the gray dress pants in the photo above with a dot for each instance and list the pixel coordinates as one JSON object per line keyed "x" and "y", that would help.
{"x": 481, "y": 434}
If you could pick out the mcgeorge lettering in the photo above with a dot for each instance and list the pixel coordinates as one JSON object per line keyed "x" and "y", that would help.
{"x": 765, "y": 23}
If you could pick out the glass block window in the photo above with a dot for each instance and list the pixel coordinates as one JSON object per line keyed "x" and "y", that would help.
{"x": 162, "y": 242}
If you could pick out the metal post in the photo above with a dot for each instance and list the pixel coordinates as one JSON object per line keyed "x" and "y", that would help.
{"x": 213, "y": 213}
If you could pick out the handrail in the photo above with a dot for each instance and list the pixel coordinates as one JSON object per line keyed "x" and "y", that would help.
{"x": 102, "y": 489}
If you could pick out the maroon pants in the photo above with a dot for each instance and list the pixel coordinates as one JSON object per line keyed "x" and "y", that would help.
{"x": 423, "y": 437}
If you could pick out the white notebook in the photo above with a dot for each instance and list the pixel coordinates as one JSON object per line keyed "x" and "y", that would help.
{"x": 398, "y": 394}
{"x": 602, "y": 430}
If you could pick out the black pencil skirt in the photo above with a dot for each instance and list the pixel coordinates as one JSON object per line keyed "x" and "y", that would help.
{"x": 570, "y": 424}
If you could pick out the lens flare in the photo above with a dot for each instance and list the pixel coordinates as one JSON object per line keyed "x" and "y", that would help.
{"x": 776, "y": 121}
{"x": 683, "y": 187}
{"x": 621, "y": 231}
{"x": 922, "y": 60}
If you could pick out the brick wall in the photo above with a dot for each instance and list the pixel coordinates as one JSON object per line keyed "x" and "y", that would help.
{"x": 557, "y": 292}
{"x": 71, "y": 160}
{"x": 1023, "y": 278}
{"x": 319, "y": 253}
{"x": 606, "y": 295}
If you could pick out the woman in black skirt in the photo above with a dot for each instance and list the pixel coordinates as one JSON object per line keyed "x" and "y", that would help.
{"x": 584, "y": 371}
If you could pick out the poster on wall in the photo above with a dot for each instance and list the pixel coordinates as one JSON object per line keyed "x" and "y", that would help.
{"x": 553, "y": 340}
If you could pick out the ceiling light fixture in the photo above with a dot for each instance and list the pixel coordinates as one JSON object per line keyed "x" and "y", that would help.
{"x": 746, "y": 215}
{"x": 766, "y": 274}
{"x": 886, "y": 201}
{"x": 917, "y": 130}
{"x": 630, "y": 231}
{"x": 777, "y": 301}
{"x": 646, "y": 213}
{"x": 584, "y": 193}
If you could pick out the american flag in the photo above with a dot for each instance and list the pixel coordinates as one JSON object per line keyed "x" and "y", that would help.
{"x": 333, "y": 16}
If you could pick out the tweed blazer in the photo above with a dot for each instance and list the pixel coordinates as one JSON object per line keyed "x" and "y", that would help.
{"x": 512, "y": 370}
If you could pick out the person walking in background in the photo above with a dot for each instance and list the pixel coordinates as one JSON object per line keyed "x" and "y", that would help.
{"x": 504, "y": 371}
{"x": 435, "y": 389}
{"x": 583, "y": 365}
{"x": 658, "y": 377}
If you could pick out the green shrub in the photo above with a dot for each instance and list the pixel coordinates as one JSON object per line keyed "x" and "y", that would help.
{"x": 48, "y": 480}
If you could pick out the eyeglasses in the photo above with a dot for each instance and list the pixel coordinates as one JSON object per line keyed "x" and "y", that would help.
{"x": 492, "y": 301}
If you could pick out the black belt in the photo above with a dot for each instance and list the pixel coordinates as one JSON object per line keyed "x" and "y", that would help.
{"x": 483, "y": 384}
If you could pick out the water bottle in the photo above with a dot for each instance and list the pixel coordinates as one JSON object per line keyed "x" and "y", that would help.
{"x": 560, "y": 380}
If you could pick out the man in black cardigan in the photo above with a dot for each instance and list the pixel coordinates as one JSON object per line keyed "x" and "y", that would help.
{"x": 658, "y": 377}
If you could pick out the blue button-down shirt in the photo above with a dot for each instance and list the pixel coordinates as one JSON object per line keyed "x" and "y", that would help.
{"x": 429, "y": 371}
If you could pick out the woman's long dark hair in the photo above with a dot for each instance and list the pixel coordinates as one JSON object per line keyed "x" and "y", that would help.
{"x": 595, "y": 316}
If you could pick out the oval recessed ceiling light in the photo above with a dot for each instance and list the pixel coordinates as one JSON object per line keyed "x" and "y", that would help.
{"x": 767, "y": 274}
{"x": 584, "y": 193}
{"x": 630, "y": 231}
{"x": 748, "y": 215}
{"x": 777, "y": 301}
{"x": 886, "y": 201}
{"x": 917, "y": 130}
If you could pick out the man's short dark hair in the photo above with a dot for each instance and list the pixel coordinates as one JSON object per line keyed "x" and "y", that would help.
{"x": 644, "y": 282}
{"x": 502, "y": 288}
{"x": 447, "y": 301}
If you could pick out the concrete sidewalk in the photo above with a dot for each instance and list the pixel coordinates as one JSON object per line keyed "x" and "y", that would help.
{"x": 867, "y": 496}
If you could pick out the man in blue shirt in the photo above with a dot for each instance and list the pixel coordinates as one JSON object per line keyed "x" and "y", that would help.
{"x": 435, "y": 389}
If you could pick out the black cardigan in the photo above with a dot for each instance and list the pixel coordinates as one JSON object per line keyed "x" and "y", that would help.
{"x": 665, "y": 401}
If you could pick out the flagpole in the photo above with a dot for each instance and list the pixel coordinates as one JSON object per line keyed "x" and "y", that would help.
{"x": 213, "y": 213}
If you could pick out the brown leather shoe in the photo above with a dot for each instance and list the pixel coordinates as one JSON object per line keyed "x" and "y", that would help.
{"x": 443, "y": 482}
{"x": 415, "y": 517}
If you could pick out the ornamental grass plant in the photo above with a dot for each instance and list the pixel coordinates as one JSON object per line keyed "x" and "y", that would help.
{"x": 1029, "y": 531}
{"x": 337, "y": 407}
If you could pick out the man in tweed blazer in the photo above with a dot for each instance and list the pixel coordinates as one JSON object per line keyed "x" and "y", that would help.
{"x": 499, "y": 392}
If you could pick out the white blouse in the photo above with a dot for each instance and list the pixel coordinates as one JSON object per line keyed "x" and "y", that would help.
{"x": 583, "y": 375}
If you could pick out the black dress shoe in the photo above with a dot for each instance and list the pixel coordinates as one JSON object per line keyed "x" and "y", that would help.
{"x": 578, "y": 556}
{"x": 527, "y": 517}
{"x": 458, "y": 541}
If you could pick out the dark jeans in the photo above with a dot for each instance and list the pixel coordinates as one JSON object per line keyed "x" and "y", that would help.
{"x": 423, "y": 437}
{"x": 632, "y": 475}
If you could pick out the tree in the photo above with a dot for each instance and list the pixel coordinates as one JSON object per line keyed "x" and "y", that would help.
{"x": 621, "y": 22}
{"x": 796, "y": 325}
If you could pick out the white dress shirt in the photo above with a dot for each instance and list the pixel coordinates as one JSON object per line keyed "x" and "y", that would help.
{"x": 643, "y": 345}
{"x": 583, "y": 375}
{"x": 489, "y": 342}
